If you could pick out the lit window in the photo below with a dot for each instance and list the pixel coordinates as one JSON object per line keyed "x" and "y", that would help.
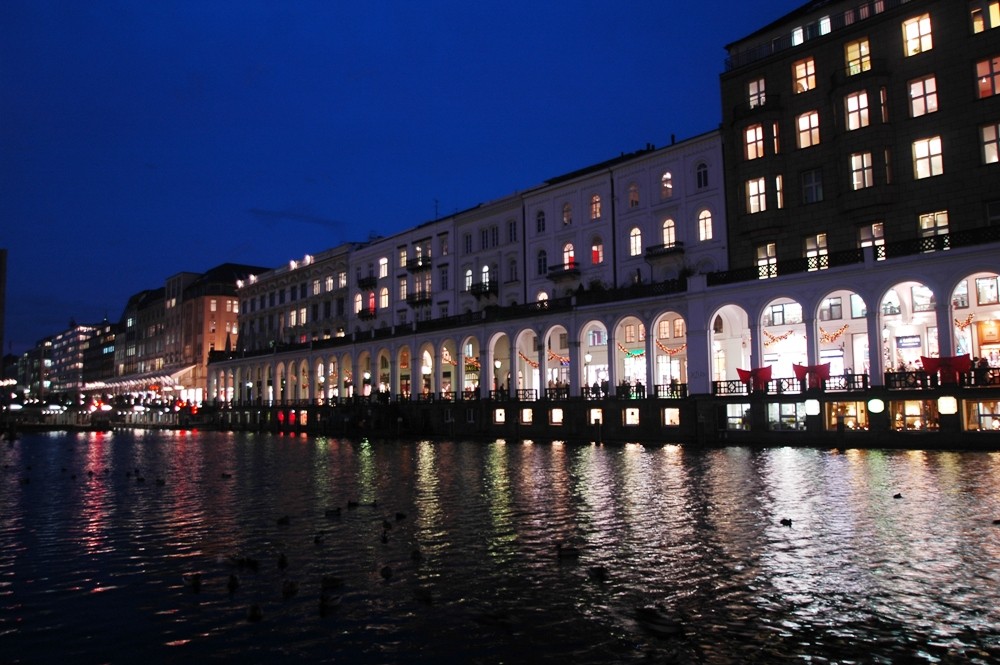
{"x": 595, "y": 207}
{"x": 358, "y": 301}
{"x": 383, "y": 298}
{"x": 861, "y": 170}
{"x": 540, "y": 221}
{"x": 779, "y": 192}
{"x": 755, "y": 93}
{"x": 679, "y": 328}
{"x": 754, "y": 142}
{"x": 756, "y": 196}
{"x": 568, "y": 256}
{"x": 666, "y": 185}
{"x": 342, "y": 279}
{"x": 767, "y": 261}
{"x": 988, "y": 77}
{"x": 669, "y": 233}
{"x": 635, "y": 242}
{"x": 985, "y": 15}
{"x": 543, "y": 262}
{"x": 812, "y": 186}
{"x": 774, "y": 132}
{"x": 402, "y": 258}
{"x": 804, "y": 74}
{"x": 917, "y": 35}
{"x": 858, "y": 57}
{"x": 991, "y": 143}
{"x": 597, "y": 251}
{"x": 701, "y": 175}
{"x": 856, "y": 107}
{"x": 468, "y": 279}
{"x": 934, "y": 223}
{"x": 633, "y": 195}
{"x": 663, "y": 329}
{"x": 923, "y": 96}
{"x": 871, "y": 235}
{"x": 704, "y": 225}
{"x": 383, "y": 267}
{"x": 927, "y": 158}
{"x": 485, "y": 276}
{"x": 883, "y": 99}
{"x": 328, "y": 283}
{"x": 831, "y": 309}
{"x": 808, "y": 128}
{"x": 567, "y": 214}
{"x": 816, "y": 252}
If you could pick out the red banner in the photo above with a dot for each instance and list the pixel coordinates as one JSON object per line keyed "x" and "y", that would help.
{"x": 817, "y": 374}
{"x": 758, "y": 377}
{"x": 948, "y": 366}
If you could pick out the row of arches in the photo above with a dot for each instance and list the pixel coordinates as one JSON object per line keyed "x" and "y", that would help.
{"x": 652, "y": 353}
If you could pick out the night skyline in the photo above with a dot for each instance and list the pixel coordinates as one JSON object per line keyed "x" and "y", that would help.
{"x": 142, "y": 141}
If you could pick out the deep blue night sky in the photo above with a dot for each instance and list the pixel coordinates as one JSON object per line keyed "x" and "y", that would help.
{"x": 142, "y": 139}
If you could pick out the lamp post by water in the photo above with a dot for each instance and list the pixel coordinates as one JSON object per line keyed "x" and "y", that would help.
{"x": 496, "y": 375}
{"x": 586, "y": 369}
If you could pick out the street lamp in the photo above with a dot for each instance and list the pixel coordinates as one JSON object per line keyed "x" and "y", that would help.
{"x": 496, "y": 374}
{"x": 586, "y": 368}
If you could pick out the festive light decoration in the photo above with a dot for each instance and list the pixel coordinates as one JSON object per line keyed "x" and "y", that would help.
{"x": 637, "y": 353}
{"x": 564, "y": 360}
{"x": 446, "y": 357}
{"x": 669, "y": 351}
{"x": 962, "y": 325}
{"x": 471, "y": 363}
{"x": 527, "y": 359}
{"x": 774, "y": 339}
{"x": 828, "y": 337}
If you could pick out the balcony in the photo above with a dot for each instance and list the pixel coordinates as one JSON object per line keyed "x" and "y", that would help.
{"x": 368, "y": 282}
{"x": 564, "y": 271}
{"x": 418, "y": 264}
{"x": 367, "y": 314}
{"x": 483, "y": 289}
{"x": 418, "y": 298}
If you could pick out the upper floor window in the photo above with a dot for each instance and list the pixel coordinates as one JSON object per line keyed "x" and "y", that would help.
{"x": 815, "y": 249}
{"x": 808, "y": 129}
{"x": 985, "y": 15}
{"x": 779, "y": 191}
{"x": 704, "y": 225}
{"x": 669, "y": 233}
{"x": 358, "y": 302}
{"x": 991, "y": 142}
{"x": 595, "y": 207}
{"x": 988, "y": 77}
{"x": 597, "y": 251}
{"x": 383, "y": 298}
{"x": 856, "y": 109}
{"x": 512, "y": 231}
{"x": 666, "y": 185}
{"x": 858, "y": 56}
{"x": 494, "y": 235}
{"x": 804, "y": 74}
{"x": 633, "y": 195}
{"x": 862, "y": 174}
{"x": 756, "y": 195}
{"x": 767, "y": 261}
{"x": 934, "y": 224}
{"x": 927, "y": 158}
{"x": 701, "y": 175}
{"x": 812, "y": 186}
{"x": 540, "y": 221}
{"x": 872, "y": 235}
{"x": 831, "y": 309}
{"x": 383, "y": 267}
{"x": 567, "y": 214}
{"x": 543, "y": 262}
{"x": 468, "y": 243}
{"x": 923, "y": 96}
{"x": 635, "y": 242}
{"x": 484, "y": 238}
{"x": 917, "y": 35}
{"x": 485, "y": 273}
{"x": 755, "y": 93}
{"x": 754, "y": 141}
{"x": 568, "y": 255}
{"x": 512, "y": 270}
{"x": 468, "y": 279}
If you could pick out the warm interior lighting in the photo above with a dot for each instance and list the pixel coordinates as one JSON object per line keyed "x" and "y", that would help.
{"x": 947, "y": 405}
{"x": 876, "y": 405}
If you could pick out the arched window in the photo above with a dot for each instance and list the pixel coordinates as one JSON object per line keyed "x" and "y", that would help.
{"x": 567, "y": 214}
{"x": 542, "y": 296}
{"x": 595, "y": 207}
{"x": 633, "y": 195}
{"x": 704, "y": 225}
{"x": 701, "y": 174}
{"x": 717, "y": 326}
{"x": 468, "y": 279}
{"x": 512, "y": 270}
{"x": 371, "y": 301}
{"x": 597, "y": 251}
{"x": 543, "y": 262}
{"x": 568, "y": 259}
{"x": 358, "y": 302}
{"x": 635, "y": 242}
{"x": 486, "y": 276}
{"x": 383, "y": 298}
{"x": 540, "y": 221}
{"x": 666, "y": 185}
{"x": 669, "y": 233}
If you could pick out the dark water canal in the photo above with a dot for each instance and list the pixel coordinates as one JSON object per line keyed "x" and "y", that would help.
{"x": 120, "y": 547}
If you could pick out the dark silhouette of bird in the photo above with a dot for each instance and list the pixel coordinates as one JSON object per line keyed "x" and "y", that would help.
{"x": 332, "y": 512}
{"x": 416, "y": 554}
{"x": 284, "y": 520}
{"x": 400, "y": 516}
{"x": 385, "y": 572}
{"x": 567, "y": 551}
{"x": 598, "y": 573}
{"x": 282, "y": 561}
{"x": 785, "y": 521}
{"x": 254, "y": 613}
{"x": 897, "y": 495}
{"x": 192, "y": 581}
{"x": 385, "y": 536}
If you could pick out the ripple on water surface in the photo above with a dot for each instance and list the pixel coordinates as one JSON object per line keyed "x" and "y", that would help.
{"x": 177, "y": 545}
